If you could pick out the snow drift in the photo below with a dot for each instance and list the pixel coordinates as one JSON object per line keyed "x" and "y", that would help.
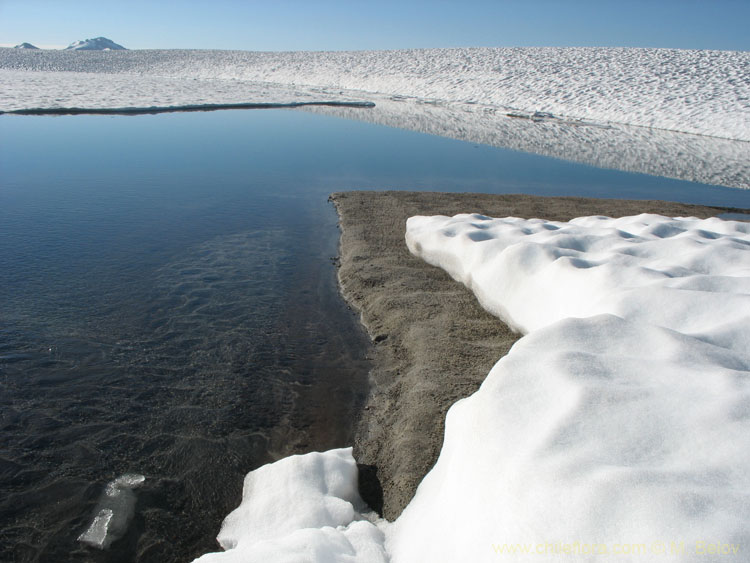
{"x": 619, "y": 423}
{"x": 303, "y": 508}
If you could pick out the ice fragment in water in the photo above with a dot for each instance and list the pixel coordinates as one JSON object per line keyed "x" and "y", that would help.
{"x": 114, "y": 512}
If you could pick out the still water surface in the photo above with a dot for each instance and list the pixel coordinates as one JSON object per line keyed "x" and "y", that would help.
{"x": 168, "y": 305}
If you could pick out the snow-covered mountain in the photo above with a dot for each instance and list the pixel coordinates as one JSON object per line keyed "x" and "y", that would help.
{"x": 26, "y": 46}
{"x": 96, "y": 44}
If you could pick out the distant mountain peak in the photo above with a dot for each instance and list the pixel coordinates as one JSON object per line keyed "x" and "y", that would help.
{"x": 26, "y": 46}
{"x": 96, "y": 44}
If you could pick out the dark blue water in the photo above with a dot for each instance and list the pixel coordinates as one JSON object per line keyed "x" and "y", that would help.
{"x": 168, "y": 305}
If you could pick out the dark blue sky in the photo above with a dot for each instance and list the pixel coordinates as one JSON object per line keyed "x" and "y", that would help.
{"x": 274, "y": 25}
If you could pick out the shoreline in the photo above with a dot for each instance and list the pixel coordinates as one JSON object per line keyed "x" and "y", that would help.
{"x": 432, "y": 342}
{"x": 188, "y": 108}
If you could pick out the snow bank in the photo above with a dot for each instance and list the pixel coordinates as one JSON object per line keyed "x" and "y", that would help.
{"x": 299, "y": 509}
{"x": 703, "y": 92}
{"x": 689, "y": 275}
{"x": 619, "y": 426}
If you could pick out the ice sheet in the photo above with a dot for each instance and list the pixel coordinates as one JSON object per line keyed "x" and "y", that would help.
{"x": 701, "y": 92}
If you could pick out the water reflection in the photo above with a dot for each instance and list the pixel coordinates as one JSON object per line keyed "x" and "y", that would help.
{"x": 695, "y": 158}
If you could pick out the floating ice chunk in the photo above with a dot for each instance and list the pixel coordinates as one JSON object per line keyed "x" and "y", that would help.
{"x": 301, "y": 508}
{"x": 114, "y": 512}
{"x": 96, "y": 534}
{"x": 126, "y": 481}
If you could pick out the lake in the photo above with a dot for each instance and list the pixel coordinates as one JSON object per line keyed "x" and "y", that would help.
{"x": 168, "y": 305}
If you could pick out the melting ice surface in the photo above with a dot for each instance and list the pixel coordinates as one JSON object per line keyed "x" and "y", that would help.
{"x": 114, "y": 511}
{"x": 618, "y": 425}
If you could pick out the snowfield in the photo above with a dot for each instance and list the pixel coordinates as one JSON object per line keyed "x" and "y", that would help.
{"x": 617, "y": 428}
{"x": 702, "y": 92}
{"x": 620, "y": 108}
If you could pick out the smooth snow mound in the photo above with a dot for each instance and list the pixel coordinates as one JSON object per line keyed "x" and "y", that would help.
{"x": 303, "y": 508}
{"x": 701, "y": 92}
{"x": 619, "y": 427}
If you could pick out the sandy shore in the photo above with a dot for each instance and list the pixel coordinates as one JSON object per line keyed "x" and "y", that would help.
{"x": 433, "y": 344}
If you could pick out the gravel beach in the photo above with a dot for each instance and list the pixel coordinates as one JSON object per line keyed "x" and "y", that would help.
{"x": 433, "y": 344}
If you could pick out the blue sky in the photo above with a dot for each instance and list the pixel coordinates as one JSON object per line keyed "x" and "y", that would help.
{"x": 279, "y": 25}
